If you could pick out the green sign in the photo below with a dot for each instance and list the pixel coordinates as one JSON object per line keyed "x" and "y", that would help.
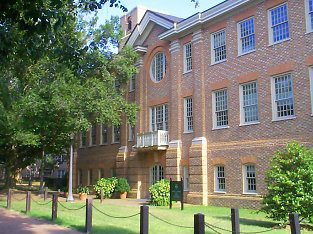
{"x": 176, "y": 191}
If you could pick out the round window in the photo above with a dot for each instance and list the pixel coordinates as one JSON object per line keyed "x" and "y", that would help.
{"x": 158, "y": 67}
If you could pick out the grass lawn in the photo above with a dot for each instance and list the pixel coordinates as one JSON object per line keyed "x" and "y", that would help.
{"x": 250, "y": 221}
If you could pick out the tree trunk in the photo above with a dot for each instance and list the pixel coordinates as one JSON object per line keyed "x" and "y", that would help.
{"x": 10, "y": 181}
{"x": 42, "y": 166}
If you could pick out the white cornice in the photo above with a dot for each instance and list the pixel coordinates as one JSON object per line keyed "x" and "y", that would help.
{"x": 141, "y": 49}
{"x": 202, "y": 17}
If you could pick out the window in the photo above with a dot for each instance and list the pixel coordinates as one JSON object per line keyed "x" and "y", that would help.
{"x": 218, "y": 41}
{"x": 158, "y": 67}
{"x": 249, "y": 179}
{"x": 101, "y": 173}
{"x": 311, "y": 84}
{"x": 159, "y": 118}
{"x": 131, "y": 132}
{"x": 93, "y": 134}
{"x": 117, "y": 85}
{"x": 129, "y": 23}
{"x": 116, "y": 134}
{"x": 61, "y": 173}
{"x": 187, "y": 57}
{"x": 104, "y": 134}
{"x": 249, "y": 103}
{"x": 188, "y": 119}
{"x": 186, "y": 179}
{"x": 279, "y": 26}
{"x": 157, "y": 173}
{"x": 80, "y": 177}
{"x": 246, "y": 36}
{"x": 83, "y": 138}
{"x": 90, "y": 179}
{"x": 309, "y": 15}
{"x": 220, "y": 184}
{"x": 132, "y": 83}
{"x": 282, "y": 97}
{"x": 220, "y": 109}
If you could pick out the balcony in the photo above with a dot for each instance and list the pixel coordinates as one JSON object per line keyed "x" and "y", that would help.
{"x": 157, "y": 140}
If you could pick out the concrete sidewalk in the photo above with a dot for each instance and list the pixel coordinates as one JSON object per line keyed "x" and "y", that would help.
{"x": 12, "y": 222}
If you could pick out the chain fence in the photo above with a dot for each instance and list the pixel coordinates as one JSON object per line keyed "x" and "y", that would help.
{"x": 39, "y": 203}
{"x": 18, "y": 199}
{"x": 67, "y": 208}
{"x": 115, "y": 217}
{"x": 169, "y": 223}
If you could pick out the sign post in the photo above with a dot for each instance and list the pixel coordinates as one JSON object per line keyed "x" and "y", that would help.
{"x": 177, "y": 192}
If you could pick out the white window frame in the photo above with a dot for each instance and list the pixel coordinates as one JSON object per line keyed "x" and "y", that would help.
{"x": 242, "y": 111}
{"x": 216, "y": 180}
{"x": 100, "y": 173}
{"x": 240, "y": 38}
{"x": 81, "y": 140}
{"x": 101, "y": 135}
{"x": 164, "y": 120}
{"x": 309, "y": 24}
{"x": 245, "y": 179}
{"x": 131, "y": 131}
{"x": 90, "y": 176}
{"x": 113, "y": 135}
{"x": 311, "y": 87}
{"x": 186, "y": 178}
{"x": 153, "y": 64}
{"x": 186, "y": 48}
{"x": 274, "y": 106}
{"x": 132, "y": 83}
{"x": 188, "y": 117}
{"x": 213, "y": 59}
{"x": 270, "y": 28}
{"x": 159, "y": 173}
{"x": 214, "y": 117}
{"x": 90, "y": 136}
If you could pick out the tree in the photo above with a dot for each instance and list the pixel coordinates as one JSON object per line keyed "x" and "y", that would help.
{"x": 290, "y": 184}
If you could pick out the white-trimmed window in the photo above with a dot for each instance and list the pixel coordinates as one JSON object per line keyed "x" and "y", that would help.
{"x": 104, "y": 134}
{"x": 132, "y": 83}
{"x": 157, "y": 174}
{"x": 187, "y": 57}
{"x": 158, "y": 67}
{"x": 131, "y": 132}
{"x": 188, "y": 119}
{"x": 93, "y": 135}
{"x": 116, "y": 134}
{"x": 100, "y": 173}
{"x": 282, "y": 97}
{"x": 246, "y": 36}
{"x": 278, "y": 24}
{"x": 311, "y": 85}
{"x": 159, "y": 118}
{"x": 218, "y": 45}
{"x": 90, "y": 179}
{"x": 83, "y": 139}
{"x": 186, "y": 178}
{"x": 249, "y": 178}
{"x": 249, "y": 112}
{"x": 309, "y": 15}
{"x": 220, "y": 184}
{"x": 220, "y": 108}
{"x": 79, "y": 177}
{"x": 61, "y": 173}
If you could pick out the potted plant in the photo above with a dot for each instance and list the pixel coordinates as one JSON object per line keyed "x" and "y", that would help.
{"x": 122, "y": 187}
{"x": 83, "y": 191}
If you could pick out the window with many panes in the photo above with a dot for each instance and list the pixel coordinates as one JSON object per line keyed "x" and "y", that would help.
{"x": 309, "y": 15}
{"x": 104, "y": 134}
{"x": 220, "y": 108}
{"x": 131, "y": 132}
{"x": 246, "y": 36}
{"x": 83, "y": 139}
{"x": 158, "y": 67}
{"x": 100, "y": 173}
{"x": 93, "y": 135}
{"x": 90, "y": 179}
{"x": 249, "y": 178}
{"x": 186, "y": 178}
{"x": 218, "y": 41}
{"x": 279, "y": 26}
{"x": 249, "y": 103}
{"x": 188, "y": 119}
{"x": 157, "y": 174}
{"x": 159, "y": 118}
{"x": 220, "y": 184}
{"x": 80, "y": 177}
{"x": 116, "y": 134}
{"x": 132, "y": 83}
{"x": 188, "y": 57}
{"x": 283, "y": 99}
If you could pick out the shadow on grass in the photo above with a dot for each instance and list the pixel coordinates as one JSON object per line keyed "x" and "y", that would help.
{"x": 251, "y": 222}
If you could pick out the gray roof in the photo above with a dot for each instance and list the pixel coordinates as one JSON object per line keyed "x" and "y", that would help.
{"x": 168, "y": 17}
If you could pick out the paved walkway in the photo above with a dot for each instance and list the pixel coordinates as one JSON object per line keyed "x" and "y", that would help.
{"x": 12, "y": 222}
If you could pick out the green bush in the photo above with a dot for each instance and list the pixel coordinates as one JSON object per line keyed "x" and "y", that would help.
{"x": 122, "y": 185}
{"x": 160, "y": 193}
{"x": 83, "y": 189}
{"x": 107, "y": 185}
{"x": 290, "y": 184}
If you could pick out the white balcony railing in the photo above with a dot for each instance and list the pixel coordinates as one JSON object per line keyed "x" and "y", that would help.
{"x": 158, "y": 138}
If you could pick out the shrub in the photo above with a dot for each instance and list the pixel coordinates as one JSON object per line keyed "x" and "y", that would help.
{"x": 107, "y": 185}
{"x": 160, "y": 193}
{"x": 83, "y": 189}
{"x": 290, "y": 184}
{"x": 122, "y": 185}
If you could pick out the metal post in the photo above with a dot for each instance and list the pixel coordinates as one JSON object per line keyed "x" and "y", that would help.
{"x": 199, "y": 227}
{"x": 294, "y": 223}
{"x": 45, "y": 195}
{"x": 170, "y": 193}
{"x": 70, "y": 197}
{"x": 28, "y": 202}
{"x": 182, "y": 194}
{"x": 144, "y": 219}
{"x": 9, "y": 199}
{"x": 101, "y": 195}
{"x": 235, "y": 221}
{"x": 88, "y": 225}
{"x": 54, "y": 207}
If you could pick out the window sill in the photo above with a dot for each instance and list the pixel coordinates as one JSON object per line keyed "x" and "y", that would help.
{"x": 251, "y": 193}
{"x": 220, "y": 192}
{"x": 219, "y": 128}
{"x": 215, "y": 63}
{"x": 90, "y": 146}
{"x": 104, "y": 144}
{"x": 278, "y": 42}
{"x": 249, "y": 52}
{"x": 130, "y": 91}
{"x": 83, "y": 147}
{"x": 285, "y": 118}
{"x": 131, "y": 140}
{"x": 187, "y": 72}
{"x": 248, "y": 124}
{"x": 114, "y": 143}
{"x": 186, "y": 190}
{"x": 308, "y": 32}
{"x": 187, "y": 132}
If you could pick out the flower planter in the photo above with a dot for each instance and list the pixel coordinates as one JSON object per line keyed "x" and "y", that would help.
{"x": 123, "y": 195}
{"x": 83, "y": 196}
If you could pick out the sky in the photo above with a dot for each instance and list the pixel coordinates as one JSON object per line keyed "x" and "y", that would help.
{"x": 179, "y": 8}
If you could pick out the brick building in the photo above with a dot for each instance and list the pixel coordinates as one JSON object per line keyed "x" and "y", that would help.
{"x": 219, "y": 92}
